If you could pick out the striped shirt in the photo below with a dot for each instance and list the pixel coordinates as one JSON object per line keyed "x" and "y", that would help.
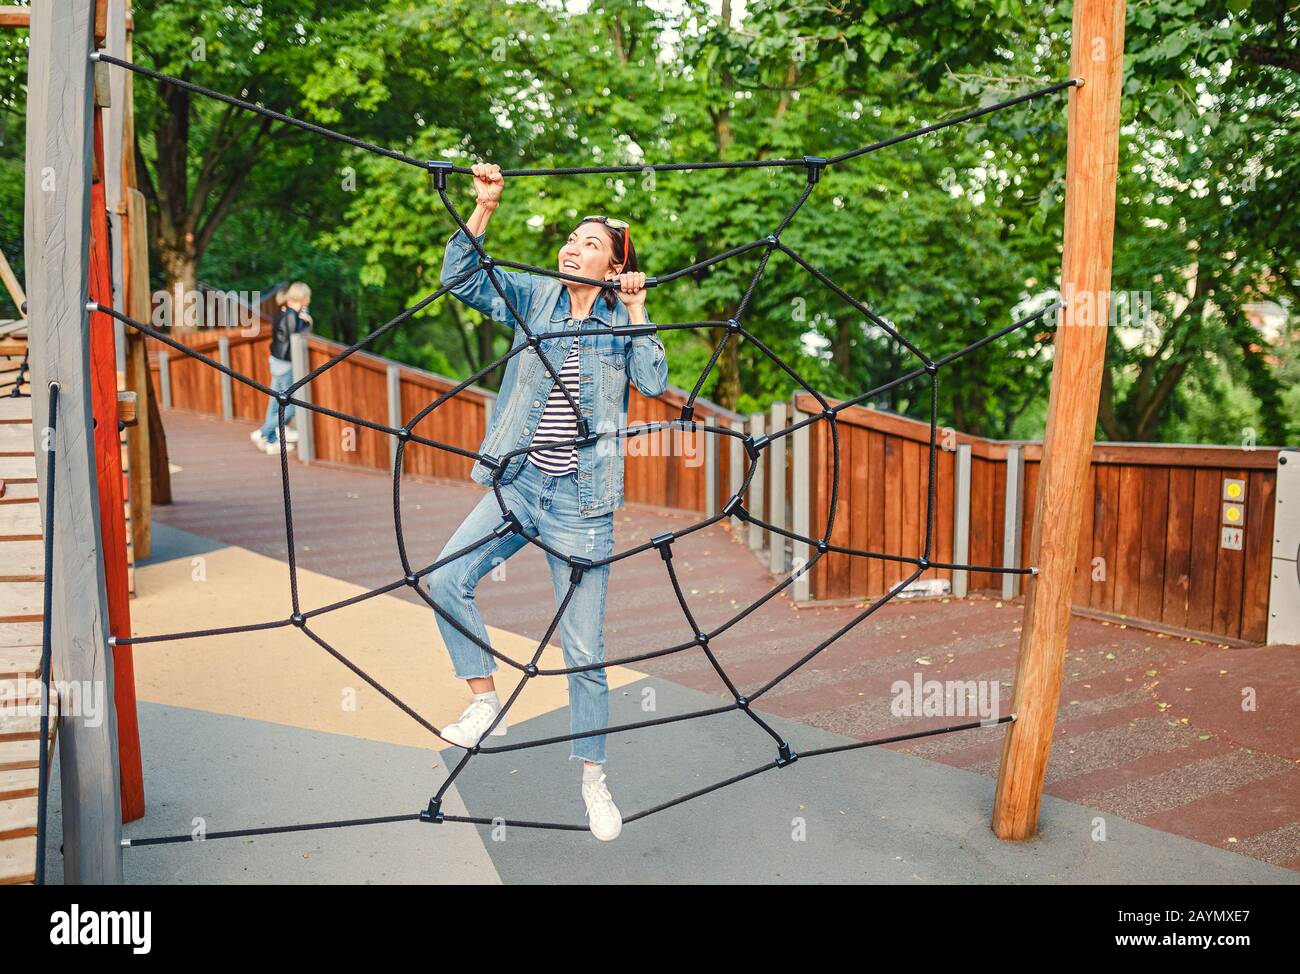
{"x": 558, "y": 423}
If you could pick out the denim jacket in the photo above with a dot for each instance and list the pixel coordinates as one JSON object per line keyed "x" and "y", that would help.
{"x": 605, "y": 363}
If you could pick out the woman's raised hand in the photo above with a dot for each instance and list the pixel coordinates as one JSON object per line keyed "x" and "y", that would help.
{"x": 488, "y": 183}
{"x": 631, "y": 289}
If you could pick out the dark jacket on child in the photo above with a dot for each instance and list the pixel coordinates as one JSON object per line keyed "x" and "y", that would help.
{"x": 287, "y": 322}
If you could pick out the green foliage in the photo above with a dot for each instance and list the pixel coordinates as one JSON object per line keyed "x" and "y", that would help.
{"x": 946, "y": 238}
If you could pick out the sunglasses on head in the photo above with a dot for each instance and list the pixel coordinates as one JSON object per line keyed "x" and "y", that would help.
{"x": 614, "y": 224}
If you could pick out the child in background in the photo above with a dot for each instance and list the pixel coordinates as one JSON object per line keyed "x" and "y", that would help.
{"x": 291, "y": 319}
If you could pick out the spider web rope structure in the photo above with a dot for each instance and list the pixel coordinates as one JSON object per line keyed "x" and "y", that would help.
{"x": 927, "y": 369}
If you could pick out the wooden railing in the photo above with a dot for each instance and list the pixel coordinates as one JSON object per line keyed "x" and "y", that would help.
{"x": 1153, "y": 543}
{"x": 678, "y": 469}
{"x": 1153, "y": 540}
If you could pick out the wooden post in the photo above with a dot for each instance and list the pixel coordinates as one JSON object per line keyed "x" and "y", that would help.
{"x": 165, "y": 377}
{"x": 757, "y": 485}
{"x": 961, "y": 522}
{"x": 57, "y": 243}
{"x": 800, "y": 514}
{"x": 776, "y": 451}
{"x": 394, "y": 388}
{"x": 301, "y": 357}
{"x": 1097, "y": 59}
{"x": 115, "y": 44}
{"x": 710, "y": 444}
{"x": 104, "y": 375}
{"x": 1013, "y": 519}
{"x": 227, "y": 392}
{"x": 139, "y": 437}
{"x": 735, "y": 468}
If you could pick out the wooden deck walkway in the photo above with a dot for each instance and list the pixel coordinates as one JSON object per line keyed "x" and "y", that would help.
{"x": 22, "y": 574}
{"x": 1150, "y": 729}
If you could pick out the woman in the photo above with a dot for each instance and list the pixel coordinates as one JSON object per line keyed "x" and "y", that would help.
{"x": 562, "y": 495}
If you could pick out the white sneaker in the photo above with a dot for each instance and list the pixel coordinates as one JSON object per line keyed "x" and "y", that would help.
{"x": 258, "y": 439}
{"x": 602, "y": 814}
{"x": 274, "y": 448}
{"x": 468, "y": 731}
{"x": 290, "y": 435}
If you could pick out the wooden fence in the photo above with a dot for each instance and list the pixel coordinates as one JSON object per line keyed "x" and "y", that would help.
{"x": 1153, "y": 536}
{"x": 679, "y": 469}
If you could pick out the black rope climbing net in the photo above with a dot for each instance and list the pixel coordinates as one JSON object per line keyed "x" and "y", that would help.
{"x": 927, "y": 369}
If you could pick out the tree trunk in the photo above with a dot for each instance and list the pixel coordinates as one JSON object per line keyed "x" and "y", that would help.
{"x": 727, "y": 392}
{"x": 180, "y": 264}
{"x": 842, "y": 347}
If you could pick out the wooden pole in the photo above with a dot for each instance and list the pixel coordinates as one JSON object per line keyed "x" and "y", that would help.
{"x": 57, "y": 244}
{"x": 112, "y": 499}
{"x": 1097, "y": 58}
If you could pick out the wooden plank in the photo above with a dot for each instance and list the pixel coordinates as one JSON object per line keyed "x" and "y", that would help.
{"x": 876, "y": 513}
{"x": 12, "y": 16}
{"x": 18, "y": 470}
{"x": 21, "y": 602}
{"x": 837, "y": 567}
{"x": 18, "y": 661}
{"x": 1106, "y": 533}
{"x": 22, "y": 561}
{"x": 1128, "y": 546}
{"x": 17, "y": 817}
{"x": 1078, "y": 359}
{"x": 16, "y": 859}
{"x": 1204, "y": 553}
{"x": 894, "y": 503}
{"x": 1178, "y": 547}
{"x": 19, "y": 783}
{"x": 1151, "y": 570}
{"x": 57, "y": 243}
{"x": 942, "y": 534}
{"x": 1228, "y": 577}
{"x": 16, "y": 440}
{"x": 18, "y": 522}
{"x": 1087, "y": 537}
{"x": 998, "y": 527}
{"x": 855, "y": 506}
{"x": 913, "y": 505}
{"x": 20, "y": 635}
{"x": 15, "y": 410}
{"x": 981, "y": 521}
{"x": 1260, "y": 510}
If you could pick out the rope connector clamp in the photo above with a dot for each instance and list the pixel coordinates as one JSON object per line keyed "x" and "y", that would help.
{"x": 433, "y": 813}
{"x": 438, "y": 169}
{"x": 815, "y": 166}
{"x": 577, "y": 567}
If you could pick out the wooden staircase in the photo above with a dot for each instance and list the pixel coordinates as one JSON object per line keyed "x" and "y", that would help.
{"x": 22, "y": 577}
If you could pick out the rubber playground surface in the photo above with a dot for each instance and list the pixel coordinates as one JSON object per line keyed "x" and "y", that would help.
{"x": 1157, "y": 773}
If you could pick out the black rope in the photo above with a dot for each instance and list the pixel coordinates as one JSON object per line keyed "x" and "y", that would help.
{"x": 47, "y": 645}
{"x": 524, "y": 338}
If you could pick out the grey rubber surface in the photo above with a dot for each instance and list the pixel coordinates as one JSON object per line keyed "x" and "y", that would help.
{"x": 870, "y": 815}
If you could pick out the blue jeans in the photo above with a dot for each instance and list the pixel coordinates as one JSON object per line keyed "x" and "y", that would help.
{"x": 548, "y": 509}
{"x": 271, "y": 428}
